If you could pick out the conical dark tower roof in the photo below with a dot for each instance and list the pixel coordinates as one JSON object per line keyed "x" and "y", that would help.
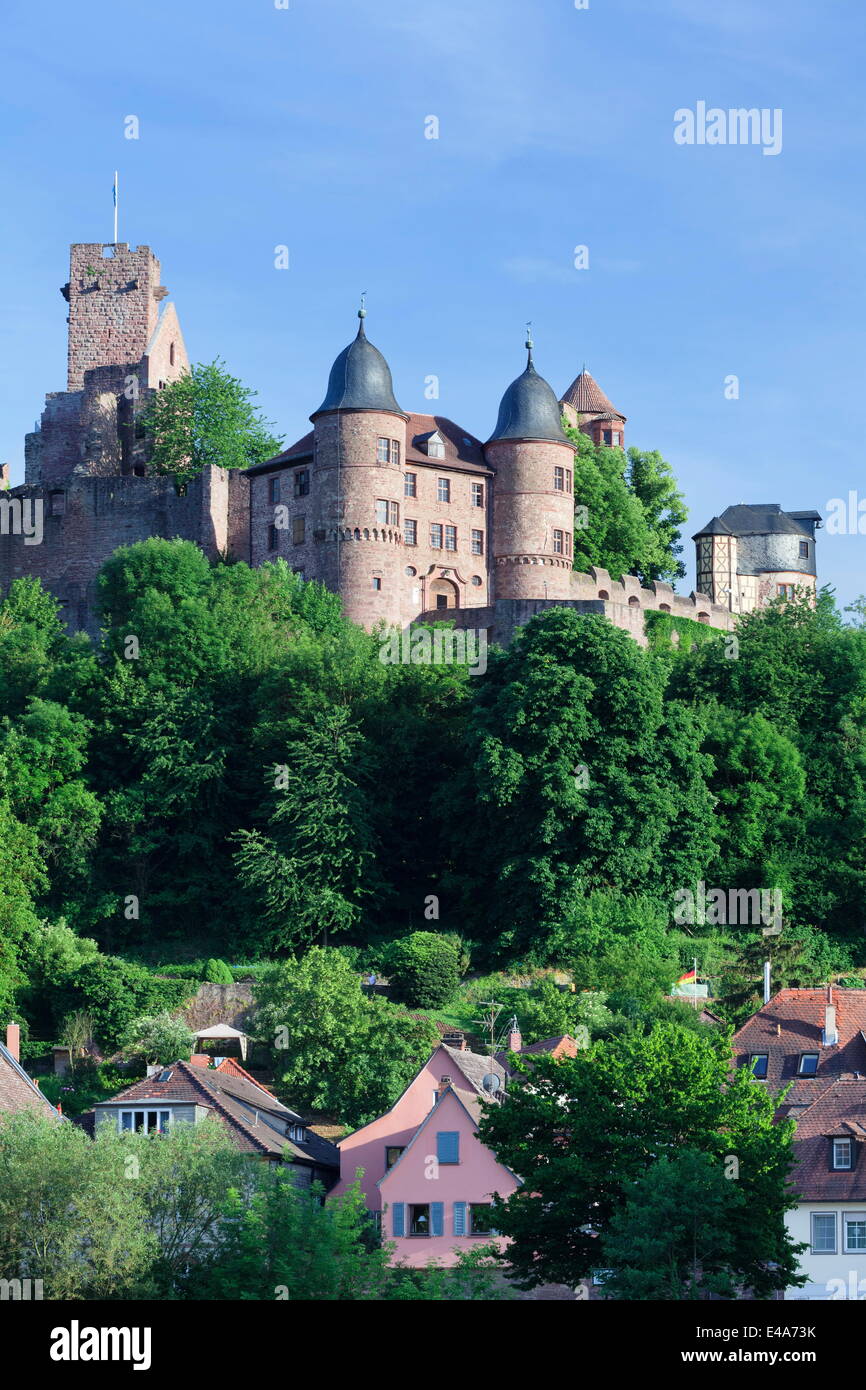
{"x": 360, "y": 379}
{"x": 529, "y": 409}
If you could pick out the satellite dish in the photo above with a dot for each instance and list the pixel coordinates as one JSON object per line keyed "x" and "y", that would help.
{"x": 491, "y": 1083}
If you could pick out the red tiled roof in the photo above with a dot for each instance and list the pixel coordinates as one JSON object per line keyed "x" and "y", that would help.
{"x": 840, "y": 1112}
{"x": 588, "y": 398}
{"x": 791, "y": 1024}
{"x": 462, "y": 450}
{"x": 253, "y": 1116}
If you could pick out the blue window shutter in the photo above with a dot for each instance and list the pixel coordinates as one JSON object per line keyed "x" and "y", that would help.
{"x": 437, "y": 1218}
{"x": 459, "y": 1218}
{"x": 448, "y": 1146}
{"x": 398, "y": 1219}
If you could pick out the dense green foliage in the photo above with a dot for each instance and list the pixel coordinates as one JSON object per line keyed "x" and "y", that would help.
{"x": 425, "y": 969}
{"x": 247, "y": 776}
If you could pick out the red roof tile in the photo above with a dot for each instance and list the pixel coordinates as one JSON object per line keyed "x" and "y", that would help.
{"x": 791, "y": 1024}
{"x": 587, "y": 398}
{"x": 841, "y": 1113}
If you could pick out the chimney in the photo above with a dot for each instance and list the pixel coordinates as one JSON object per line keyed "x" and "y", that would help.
{"x": 13, "y": 1040}
{"x": 830, "y": 1036}
{"x": 445, "y": 1084}
{"x": 515, "y": 1041}
{"x": 766, "y": 982}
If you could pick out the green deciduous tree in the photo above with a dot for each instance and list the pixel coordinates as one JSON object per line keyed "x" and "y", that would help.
{"x": 159, "y": 1038}
{"x": 207, "y": 417}
{"x": 582, "y": 1130}
{"x": 335, "y": 1048}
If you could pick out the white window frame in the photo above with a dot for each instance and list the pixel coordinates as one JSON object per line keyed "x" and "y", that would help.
{"x": 843, "y": 1167}
{"x": 849, "y": 1217}
{"x": 824, "y": 1215}
{"x": 158, "y": 1110}
{"x": 478, "y": 494}
{"x": 443, "y": 489}
{"x": 383, "y": 450}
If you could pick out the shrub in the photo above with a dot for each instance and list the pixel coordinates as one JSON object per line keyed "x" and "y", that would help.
{"x": 114, "y": 993}
{"x": 425, "y": 970}
{"x": 216, "y": 972}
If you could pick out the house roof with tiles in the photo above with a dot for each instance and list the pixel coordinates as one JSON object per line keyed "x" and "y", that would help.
{"x": 839, "y": 1113}
{"x": 257, "y": 1121}
{"x": 587, "y": 398}
{"x": 793, "y": 1024}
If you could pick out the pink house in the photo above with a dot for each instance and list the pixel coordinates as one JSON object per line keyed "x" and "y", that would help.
{"x": 423, "y": 1170}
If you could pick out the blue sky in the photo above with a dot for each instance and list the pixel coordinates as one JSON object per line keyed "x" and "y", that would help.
{"x": 305, "y": 127}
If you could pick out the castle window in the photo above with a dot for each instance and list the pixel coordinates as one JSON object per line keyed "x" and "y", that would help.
{"x": 273, "y": 539}
{"x": 607, "y": 436}
{"x": 410, "y": 533}
{"x": 56, "y": 503}
{"x": 477, "y": 580}
{"x": 393, "y": 514}
{"x": 558, "y": 543}
{"x": 568, "y": 542}
{"x": 302, "y": 482}
{"x": 395, "y": 452}
{"x": 436, "y": 535}
{"x": 298, "y": 530}
{"x": 785, "y": 590}
{"x": 436, "y": 446}
{"x": 171, "y": 355}
{"x": 478, "y": 494}
{"x": 559, "y": 479}
{"x": 382, "y": 512}
{"x": 450, "y": 537}
{"x": 383, "y": 450}
{"x": 410, "y": 483}
{"x": 804, "y": 550}
{"x": 411, "y": 571}
{"x": 443, "y": 489}
{"x": 274, "y": 490}
{"x": 477, "y": 542}
{"x": 377, "y": 582}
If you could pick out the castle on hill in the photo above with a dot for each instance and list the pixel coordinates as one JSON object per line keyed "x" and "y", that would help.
{"x": 409, "y": 517}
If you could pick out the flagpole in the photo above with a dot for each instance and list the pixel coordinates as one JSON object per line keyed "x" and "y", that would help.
{"x": 695, "y": 986}
{"x": 115, "y": 207}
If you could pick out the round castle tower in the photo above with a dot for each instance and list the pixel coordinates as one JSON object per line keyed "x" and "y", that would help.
{"x": 360, "y": 448}
{"x": 533, "y": 500}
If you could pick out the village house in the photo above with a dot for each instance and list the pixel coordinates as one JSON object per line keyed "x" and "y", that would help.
{"x": 259, "y": 1124}
{"x": 17, "y": 1091}
{"x": 812, "y": 1043}
{"x": 424, "y": 1173}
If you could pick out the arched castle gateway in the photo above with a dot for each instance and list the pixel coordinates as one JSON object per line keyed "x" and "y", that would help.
{"x": 407, "y": 516}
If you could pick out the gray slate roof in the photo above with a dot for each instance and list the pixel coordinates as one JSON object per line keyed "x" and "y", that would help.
{"x": 360, "y": 379}
{"x": 758, "y": 519}
{"x": 529, "y": 410}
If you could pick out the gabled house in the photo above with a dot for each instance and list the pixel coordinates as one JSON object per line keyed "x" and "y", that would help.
{"x": 814, "y": 1042}
{"x": 805, "y": 1039}
{"x": 830, "y": 1178}
{"x": 425, "y": 1174}
{"x": 259, "y": 1124}
{"x": 17, "y": 1091}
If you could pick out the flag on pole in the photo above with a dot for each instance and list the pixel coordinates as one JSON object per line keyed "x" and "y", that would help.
{"x": 689, "y": 975}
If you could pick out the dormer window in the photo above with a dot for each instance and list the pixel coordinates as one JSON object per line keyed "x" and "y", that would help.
{"x": 297, "y": 1134}
{"x": 435, "y": 446}
{"x": 843, "y": 1157}
{"x": 758, "y": 1063}
{"x": 808, "y": 1064}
